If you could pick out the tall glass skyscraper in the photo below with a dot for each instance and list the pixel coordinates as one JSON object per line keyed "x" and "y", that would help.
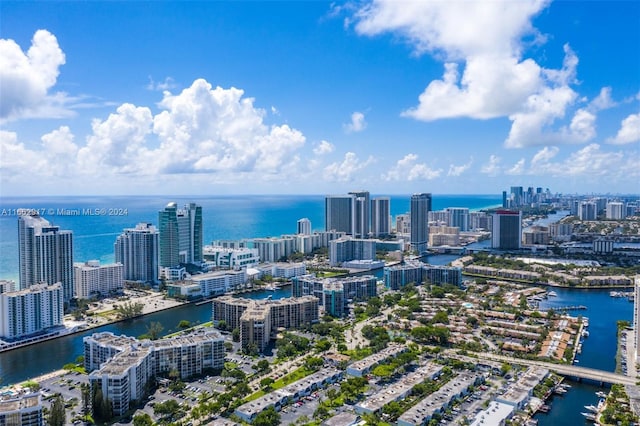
{"x": 339, "y": 213}
{"x": 381, "y": 216}
{"x": 362, "y": 214}
{"x": 420, "y": 207}
{"x": 45, "y": 254}
{"x": 180, "y": 235}
{"x": 506, "y": 233}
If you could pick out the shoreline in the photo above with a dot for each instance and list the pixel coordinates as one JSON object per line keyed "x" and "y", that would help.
{"x": 555, "y": 285}
{"x": 89, "y": 327}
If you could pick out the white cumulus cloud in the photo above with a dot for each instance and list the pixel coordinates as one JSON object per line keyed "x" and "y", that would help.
{"x": 459, "y": 170}
{"x": 323, "y": 147}
{"x": 629, "y": 131}
{"x": 27, "y": 77}
{"x": 344, "y": 171}
{"x": 408, "y": 169}
{"x": 357, "y": 124}
{"x": 486, "y": 73}
{"x": 492, "y": 167}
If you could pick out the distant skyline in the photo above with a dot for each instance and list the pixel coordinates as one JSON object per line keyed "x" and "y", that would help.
{"x": 457, "y": 97}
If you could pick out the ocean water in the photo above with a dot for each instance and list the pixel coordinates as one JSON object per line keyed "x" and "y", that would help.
{"x": 224, "y": 217}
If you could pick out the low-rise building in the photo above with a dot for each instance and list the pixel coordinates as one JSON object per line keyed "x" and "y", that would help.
{"x": 363, "y": 366}
{"x": 398, "y": 390}
{"x": 421, "y": 413}
{"x": 293, "y": 391}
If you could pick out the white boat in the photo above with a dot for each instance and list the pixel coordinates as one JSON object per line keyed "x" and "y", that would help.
{"x": 552, "y": 294}
{"x": 589, "y": 416}
{"x": 585, "y": 333}
{"x": 591, "y": 408}
{"x": 271, "y": 288}
{"x": 601, "y": 394}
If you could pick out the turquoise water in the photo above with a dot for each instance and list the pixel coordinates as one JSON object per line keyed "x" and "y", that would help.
{"x": 224, "y": 217}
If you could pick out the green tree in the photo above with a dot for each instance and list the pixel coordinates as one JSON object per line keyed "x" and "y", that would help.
{"x": 184, "y": 324}
{"x": 268, "y": 417}
{"x": 266, "y": 382}
{"x": 235, "y": 334}
{"x": 154, "y": 330}
{"x": 142, "y": 420}
{"x": 222, "y": 325}
{"x": 129, "y": 310}
{"x": 57, "y": 415}
{"x": 85, "y": 393}
{"x": 263, "y": 365}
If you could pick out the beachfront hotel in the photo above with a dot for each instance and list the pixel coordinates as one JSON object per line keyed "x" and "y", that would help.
{"x": 121, "y": 366}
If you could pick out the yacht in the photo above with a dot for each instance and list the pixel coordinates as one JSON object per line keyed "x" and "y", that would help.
{"x": 552, "y": 294}
{"x": 589, "y": 416}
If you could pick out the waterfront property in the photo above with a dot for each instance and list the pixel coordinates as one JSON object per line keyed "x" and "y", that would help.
{"x": 31, "y": 311}
{"x": 335, "y": 293}
{"x": 20, "y": 407}
{"x": 259, "y": 320}
{"x": 417, "y": 272}
{"x": 92, "y": 279}
{"x": 122, "y": 366}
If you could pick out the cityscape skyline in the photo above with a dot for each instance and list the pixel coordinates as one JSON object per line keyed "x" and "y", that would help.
{"x": 169, "y": 101}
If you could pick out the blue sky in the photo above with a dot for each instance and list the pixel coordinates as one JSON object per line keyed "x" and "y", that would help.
{"x": 315, "y": 97}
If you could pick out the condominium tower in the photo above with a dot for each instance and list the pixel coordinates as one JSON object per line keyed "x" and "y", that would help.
{"x": 339, "y": 213}
{"x": 381, "y": 216}
{"x": 180, "y": 235}
{"x": 137, "y": 250}
{"x": 506, "y": 230}
{"x": 45, "y": 254}
{"x": 419, "y": 213}
{"x": 362, "y": 213}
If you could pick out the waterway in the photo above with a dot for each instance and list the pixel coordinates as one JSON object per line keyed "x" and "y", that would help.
{"x": 40, "y": 358}
{"x": 598, "y": 350}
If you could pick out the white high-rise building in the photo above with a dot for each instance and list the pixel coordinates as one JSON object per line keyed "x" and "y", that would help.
{"x": 137, "y": 250}
{"x": 31, "y": 310}
{"x": 304, "y": 226}
{"x": 616, "y": 210}
{"x": 93, "y": 279}
{"x": 587, "y": 210}
{"x": 459, "y": 216}
{"x": 45, "y": 254}
{"x": 381, "y": 216}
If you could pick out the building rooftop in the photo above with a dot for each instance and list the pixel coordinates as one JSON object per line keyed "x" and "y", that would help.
{"x": 400, "y": 388}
